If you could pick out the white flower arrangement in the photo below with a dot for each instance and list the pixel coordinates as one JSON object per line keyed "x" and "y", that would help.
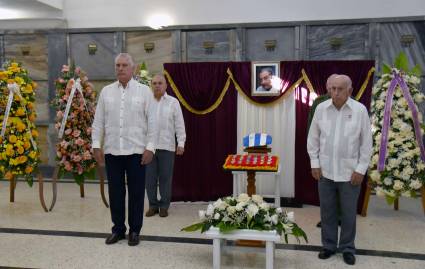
{"x": 404, "y": 171}
{"x": 246, "y": 212}
{"x": 143, "y": 75}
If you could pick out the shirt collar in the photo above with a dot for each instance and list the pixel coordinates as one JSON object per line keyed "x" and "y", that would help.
{"x": 349, "y": 103}
{"x": 129, "y": 83}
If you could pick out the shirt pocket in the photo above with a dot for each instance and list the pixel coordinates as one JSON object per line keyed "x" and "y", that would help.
{"x": 137, "y": 105}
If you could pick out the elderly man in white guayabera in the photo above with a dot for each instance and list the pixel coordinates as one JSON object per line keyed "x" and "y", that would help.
{"x": 125, "y": 122}
{"x": 340, "y": 146}
{"x": 171, "y": 126}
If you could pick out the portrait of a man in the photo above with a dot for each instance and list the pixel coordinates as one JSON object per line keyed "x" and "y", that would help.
{"x": 265, "y": 81}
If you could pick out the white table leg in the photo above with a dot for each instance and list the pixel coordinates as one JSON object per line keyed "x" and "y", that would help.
{"x": 216, "y": 253}
{"x": 277, "y": 191}
{"x": 269, "y": 254}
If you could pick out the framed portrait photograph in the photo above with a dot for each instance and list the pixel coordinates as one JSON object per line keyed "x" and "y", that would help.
{"x": 265, "y": 79}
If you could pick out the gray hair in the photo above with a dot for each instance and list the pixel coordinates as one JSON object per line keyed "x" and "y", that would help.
{"x": 328, "y": 81}
{"x": 126, "y": 56}
{"x": 268, "y": 70}
{"x": 347, "y": 79}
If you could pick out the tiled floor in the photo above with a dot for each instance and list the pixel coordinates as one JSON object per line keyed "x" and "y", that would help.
{"x": 72, "y": 236}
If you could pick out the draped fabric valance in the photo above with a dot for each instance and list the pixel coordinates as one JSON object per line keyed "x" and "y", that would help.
{"x": 201, "y": 87}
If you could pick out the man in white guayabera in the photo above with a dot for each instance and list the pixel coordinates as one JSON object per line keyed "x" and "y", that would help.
{"x": 125, "y": 122}
{"x": 159, "y": 172}
{"x": 340, "y": 146}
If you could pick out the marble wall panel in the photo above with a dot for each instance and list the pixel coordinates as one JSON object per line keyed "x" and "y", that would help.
{"x": 101, "y": 64}
{"x": 35, "y": 45}
{"x": 99, "y": 84}
{"x": 1, "y": 50}
{"x": 43, "y": 144}
{"x": 196, "y": 52}
{"x": 42, "y": 104}
{"x": 354, "y": 42}
{"x": 285, "y": 44}
{"x": 390, "y": 44}
{"x": 162, "y": 52}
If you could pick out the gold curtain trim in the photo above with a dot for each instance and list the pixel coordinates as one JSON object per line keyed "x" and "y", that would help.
{"x": 364, "y": 85}
{"x": 189, "y": 107}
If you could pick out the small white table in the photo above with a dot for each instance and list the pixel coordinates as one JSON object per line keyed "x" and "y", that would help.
{"x": 275, "y": 175}
{"x": 219, "y": 240}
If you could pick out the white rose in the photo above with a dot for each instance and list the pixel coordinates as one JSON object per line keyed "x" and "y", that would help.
{"x": 291, "y": 216}
{"x": 239, "y": 206}
{"x": 398, "y": 185}
{"x": 257, "y": 198}
{"x": 243, "y": 197}
{"x": 274, "y": 219}
{"x": 375, "y": 175}
{"x": 231, "y": 210}
{"x": 252, "y": 210}
{"x": 265, "y": 206}
{"x": 210, "y": 210}
{"x": 217, "y": 203}
{"x": 217, "y": 216}
{"x": 202, "y": 214}
{"x": 415, "y": 184}
{"x": 397, "y": 91}
{"x": 379, "y": 192}
{"x": 279, "y": 210}
{"x": 388, "y": 181}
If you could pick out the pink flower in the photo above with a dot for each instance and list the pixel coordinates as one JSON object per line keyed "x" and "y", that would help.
{"x": 57, "y": 126}
{"x": 89, "y": 130}
{"x": 80, "y": 169}
{"x": 59, "y": 154}
{"x": 61, "y": 81}
{"x": 76, "y": 158}
{"x": 68, "y": 131}
{"x": 77, "y": 70}
{"x": 65, "y": 68}
{"x": 76, "y": 133}
{"x": 68, "y": 166}
{"x": 87, "y": 155}
{"x": 59, "y": 114}
{"x": 79, "y": 141}
{"x": 64, "y": 144}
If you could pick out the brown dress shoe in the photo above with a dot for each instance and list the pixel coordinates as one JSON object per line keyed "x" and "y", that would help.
{"x": 151, "y": 212}
{"x": 163, "y": 212}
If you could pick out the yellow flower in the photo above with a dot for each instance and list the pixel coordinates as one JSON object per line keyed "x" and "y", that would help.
{"x": 20, "y": 112}
{"x": 33, "y": 154}
{"x": 28, "y": 169}
{"x": 13, "y": 161}
{"x": 3, "y": 75}
{"x": 27, "y": 145}
{"x": 14, "y": 64}
{"x": 32, "y": 117}
{"x": 8, "y": 175}
{"x": 27, "y": 89}
{"x": 12, "y": 139}
{"x": 22, "y": 159}
{"x": 34, "y": 133}
{"x": 19, "y": 81}
{"x": 20, "y": 150}
{"x": 20, "y": 126}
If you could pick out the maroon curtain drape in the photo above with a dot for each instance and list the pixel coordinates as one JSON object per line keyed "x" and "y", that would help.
{"x": 318, "y": 71}
{"x": 199, "y": 175}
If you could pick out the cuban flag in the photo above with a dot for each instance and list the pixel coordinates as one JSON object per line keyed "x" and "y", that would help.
{"x": 257, "y": 139}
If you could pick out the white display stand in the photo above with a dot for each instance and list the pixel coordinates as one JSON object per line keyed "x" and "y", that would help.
{"x": 219, "y": 242}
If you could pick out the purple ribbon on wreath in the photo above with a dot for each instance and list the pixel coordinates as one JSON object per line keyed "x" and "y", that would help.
{"x": 398, "y": 80}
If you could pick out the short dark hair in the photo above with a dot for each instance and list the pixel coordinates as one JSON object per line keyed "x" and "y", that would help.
{"x": 268, "y": 70}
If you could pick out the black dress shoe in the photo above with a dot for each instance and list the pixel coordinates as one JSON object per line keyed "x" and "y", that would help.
{"x": 325, "y": 254}
{"x": 319, "y": 224}
{"x": 349, "y": 258}
{"x": 113, "y": 238}
{"x": 133, "y": 239}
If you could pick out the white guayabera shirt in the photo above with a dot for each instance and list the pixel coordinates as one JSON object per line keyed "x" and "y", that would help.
{"x": 340, "y": 141}
{"x": 125, "y": 119}
{"x": 170, "y": 123}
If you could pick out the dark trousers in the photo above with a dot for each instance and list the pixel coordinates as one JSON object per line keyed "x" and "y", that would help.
{"x": 160, "y": 172}
{"x": 117, "y": 168}
{"x": 347, "y": 194}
